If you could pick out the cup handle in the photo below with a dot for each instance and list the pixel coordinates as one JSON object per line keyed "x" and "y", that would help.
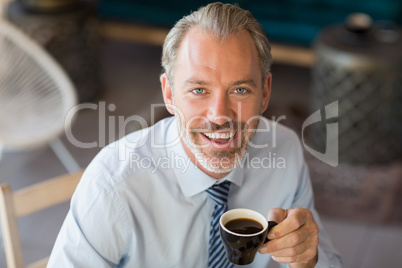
{"x": 270, "y": 225}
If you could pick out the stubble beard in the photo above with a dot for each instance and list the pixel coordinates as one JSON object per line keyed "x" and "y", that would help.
{"x": 218, "y": 161}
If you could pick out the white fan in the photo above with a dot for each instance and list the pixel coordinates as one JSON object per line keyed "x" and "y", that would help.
{"x": 35, "y": 95}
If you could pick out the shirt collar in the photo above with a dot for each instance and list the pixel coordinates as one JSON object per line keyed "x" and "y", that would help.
{"x": 191, "y": 179}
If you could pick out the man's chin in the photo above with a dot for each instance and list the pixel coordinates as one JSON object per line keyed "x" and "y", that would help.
{"x": 219, "y": 162}
{"x": 215, "y": 160}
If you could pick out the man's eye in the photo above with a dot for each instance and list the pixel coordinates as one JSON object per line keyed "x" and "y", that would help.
{"x": 241, "y": 90}
{"x": 198, "y": 90}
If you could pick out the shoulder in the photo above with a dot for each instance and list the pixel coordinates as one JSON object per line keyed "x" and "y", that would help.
{"x": 274, "y": 140}
{"x": 147, "y": 141}
{"x": 272, "y": 134}
{"x": 114, "y": 163}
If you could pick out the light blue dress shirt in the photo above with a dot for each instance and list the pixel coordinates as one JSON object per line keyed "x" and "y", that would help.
{"x": 141, "y": 202}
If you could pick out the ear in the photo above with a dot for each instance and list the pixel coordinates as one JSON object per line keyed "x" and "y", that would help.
{"x": 266, "y": 93}
{"x": 167, "y": 93}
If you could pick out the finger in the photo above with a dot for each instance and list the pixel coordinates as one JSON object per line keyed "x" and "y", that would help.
{"x": 290, "y": 240}
{"x": 304, "y": 257}
{"x": 296, "y": 250}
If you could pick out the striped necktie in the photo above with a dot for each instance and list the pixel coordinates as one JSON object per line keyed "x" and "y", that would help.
{"x": 217, "y": 256}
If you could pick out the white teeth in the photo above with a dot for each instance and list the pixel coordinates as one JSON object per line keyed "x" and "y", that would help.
{"x": 220, "y": 135}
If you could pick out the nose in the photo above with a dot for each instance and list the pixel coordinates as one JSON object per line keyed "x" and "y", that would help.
{"x": 219, "y": 109}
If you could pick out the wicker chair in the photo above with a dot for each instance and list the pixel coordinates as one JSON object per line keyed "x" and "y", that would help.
{"x": 35, "y": 96}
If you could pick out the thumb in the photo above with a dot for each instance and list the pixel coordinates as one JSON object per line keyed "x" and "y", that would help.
{"x": 277, "y": 215}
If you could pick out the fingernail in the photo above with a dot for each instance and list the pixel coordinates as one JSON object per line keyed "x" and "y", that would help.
{"x": 271, "y": 236}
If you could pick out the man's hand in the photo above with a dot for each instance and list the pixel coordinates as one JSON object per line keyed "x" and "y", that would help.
{"x": 294, "y": 240}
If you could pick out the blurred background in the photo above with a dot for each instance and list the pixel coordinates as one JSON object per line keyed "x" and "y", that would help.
{"x": 327, "y": 53}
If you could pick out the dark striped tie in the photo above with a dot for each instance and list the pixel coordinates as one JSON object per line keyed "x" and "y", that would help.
{"x": 217, "y": 256}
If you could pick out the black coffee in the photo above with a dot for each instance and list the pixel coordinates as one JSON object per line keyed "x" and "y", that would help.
{"x": 244, "y": 226}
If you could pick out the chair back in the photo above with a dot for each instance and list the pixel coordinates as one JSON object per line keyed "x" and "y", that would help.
{"x": 26, "y": 201}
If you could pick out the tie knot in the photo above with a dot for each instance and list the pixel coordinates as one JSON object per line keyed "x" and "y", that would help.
{"x": 219, "y": 192}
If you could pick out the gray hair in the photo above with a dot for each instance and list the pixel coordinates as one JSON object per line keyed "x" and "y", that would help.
{"x": 221, "y": 20}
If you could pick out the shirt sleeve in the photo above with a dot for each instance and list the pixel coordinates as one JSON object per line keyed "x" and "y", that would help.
{"x": 95, "y": 232}
{"x": 328, "y": 257}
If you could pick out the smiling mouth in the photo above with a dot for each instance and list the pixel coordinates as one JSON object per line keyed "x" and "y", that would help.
{"x": 220, "y": 137}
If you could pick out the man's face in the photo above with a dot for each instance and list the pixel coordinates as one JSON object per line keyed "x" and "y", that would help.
{"x": 217, "y": 96}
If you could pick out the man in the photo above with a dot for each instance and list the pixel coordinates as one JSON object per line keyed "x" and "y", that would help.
{"x": 142, "y": 202}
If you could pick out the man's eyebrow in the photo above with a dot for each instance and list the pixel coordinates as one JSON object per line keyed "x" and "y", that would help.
{"x": 195, "y": 82}
{"x": 245, "y": 82}
{"x": 236, "y": 83}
